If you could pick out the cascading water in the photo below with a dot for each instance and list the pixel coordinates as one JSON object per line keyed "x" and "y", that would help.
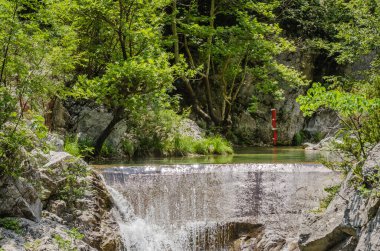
{"x": 137, "y": 233}
{"x": 207, "y": 207}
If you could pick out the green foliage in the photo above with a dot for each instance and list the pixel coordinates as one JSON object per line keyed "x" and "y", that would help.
{"x": 331, "y": 192}
{"x": 36, "y": 54}
{"x": 231, "y": 44}
{"x": 17, "y": 137}
{"x": 298, "y": 138}
{"x": 359, "y": 117}
{"x": 312, "y": 20}
{"x": 74, "y": 183}
{"x": 78, "y": 148}
{"x": 108, "y": 150}
{"x": 158, "y": 131}
{"x": 11, "y": 153}
{"x": 11, "y": 224}
{"x": 128, "y": 147}
{"x": 215, "y": 145}
{"x": 68, "y": 244}
{"x": 125, "y": 82}
{"x": 154, "y": 127}
{"x": 75, "y": 234}
{"x": 185, "y": 145}
{"x": 71, "y": 146}
{"x": 64, "y": 244}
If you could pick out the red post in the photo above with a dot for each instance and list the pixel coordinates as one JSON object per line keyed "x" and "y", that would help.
{"x": 274, "y": 127}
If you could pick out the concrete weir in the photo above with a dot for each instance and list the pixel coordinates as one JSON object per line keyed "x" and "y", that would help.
{"x": 215, "y": 207}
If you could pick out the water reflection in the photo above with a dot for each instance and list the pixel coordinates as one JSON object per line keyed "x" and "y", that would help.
{"x": 242, "y": 155}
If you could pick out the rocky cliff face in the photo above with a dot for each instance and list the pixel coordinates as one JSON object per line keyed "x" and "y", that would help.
{"x": 49, "y": 213}
{"x": 351, "y": 221}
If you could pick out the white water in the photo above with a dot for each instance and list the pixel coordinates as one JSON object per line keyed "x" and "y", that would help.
{"x": 170, "y": 208}
{"x": 137, "y": 234}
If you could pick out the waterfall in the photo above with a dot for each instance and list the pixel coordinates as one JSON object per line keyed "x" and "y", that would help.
{"x": 137, "y": 234}
{"x": 209, "y": 207}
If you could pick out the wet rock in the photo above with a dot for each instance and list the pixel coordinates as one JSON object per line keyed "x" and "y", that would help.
{"x": 271, "y": 241}
{"x": 235, "y": 235}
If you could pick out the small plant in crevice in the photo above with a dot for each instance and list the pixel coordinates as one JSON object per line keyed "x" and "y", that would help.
{"x": 12, "y": 224}
{"x": 331, "y": 192}
{"x": 369, "y": 185}
{"x": 74, "y": 183}
{"x": 68, "y": 244}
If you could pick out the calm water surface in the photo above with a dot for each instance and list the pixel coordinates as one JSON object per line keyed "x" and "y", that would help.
{"x": 242, "y": 155}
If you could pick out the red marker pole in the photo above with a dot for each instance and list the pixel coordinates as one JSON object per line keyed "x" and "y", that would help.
{"x": 274, "y": 128}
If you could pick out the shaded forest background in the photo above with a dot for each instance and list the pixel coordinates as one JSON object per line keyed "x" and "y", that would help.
{"x": 153, "y": 64}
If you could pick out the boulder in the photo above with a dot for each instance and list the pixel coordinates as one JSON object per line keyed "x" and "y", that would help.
{"x": 188, "y": 127}
{"x": 92, "y": 121}
{"x": 19, "y": 198}
{"x": 322, "y": 123}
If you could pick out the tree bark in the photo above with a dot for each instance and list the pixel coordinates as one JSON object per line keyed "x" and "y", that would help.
{"x": 206, "y": 78}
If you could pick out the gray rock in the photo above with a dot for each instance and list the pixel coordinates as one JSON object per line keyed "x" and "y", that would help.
{"x": 372, "y": 163}
{"x": 91, "y": 122}
{"x": 188, "y": 127}
{"x": 19, "y": 198}
{"x": 351, "y": 221}
{"x": 324, "y": 145}
{"x": 324, "y": 122}
{"x": 42, "y": 236}
{"x": 90, "y": 214}
{"x": 56, "y": 142}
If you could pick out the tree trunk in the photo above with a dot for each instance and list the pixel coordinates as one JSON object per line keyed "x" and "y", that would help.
{"x": 118, "y": 115}
{"x": 206, "y": 78}
{"x": 195, "y": 104}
